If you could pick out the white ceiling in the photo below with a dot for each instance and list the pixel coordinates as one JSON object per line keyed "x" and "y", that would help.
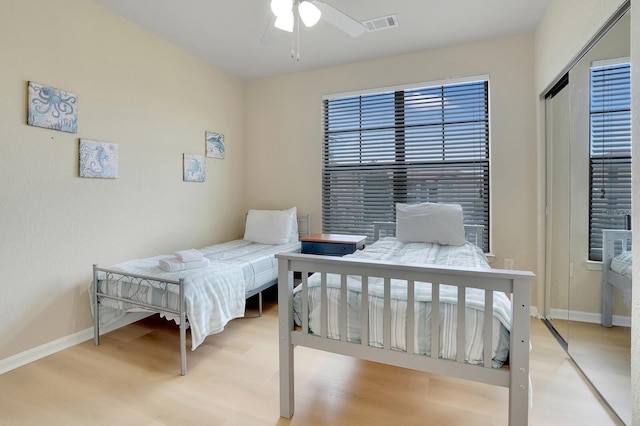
{"x": 228, "y": 33}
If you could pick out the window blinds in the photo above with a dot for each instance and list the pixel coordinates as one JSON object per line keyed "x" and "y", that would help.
{"x": 610, "y": 152}
{"x": 427, "y": 144}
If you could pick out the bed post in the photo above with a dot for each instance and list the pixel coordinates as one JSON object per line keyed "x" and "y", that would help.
{"x": 183, "y": 330}
{"x": 519, "y": 354}
{"x": 285, "y": 325}
{"x": 608, "y": 252}
{"x": 96, "y": 308}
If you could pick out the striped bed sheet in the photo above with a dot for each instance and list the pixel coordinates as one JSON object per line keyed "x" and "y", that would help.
{"x": 214, "y": 295}
{"x": 390, "y": 249}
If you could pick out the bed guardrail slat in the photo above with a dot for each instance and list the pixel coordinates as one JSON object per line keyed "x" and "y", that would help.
{"x": 386, "y": 324}
{"x": 323, "y": 305}
{"x": 343, "y": 307}
{"x": 364, "y": 312}
{"x": 487, "y": 332}
{"x": 410, "y": 333}
{"x": 435, "y": 320}
{"x": 305, "y": 302}
{"x": 461, "y": 342}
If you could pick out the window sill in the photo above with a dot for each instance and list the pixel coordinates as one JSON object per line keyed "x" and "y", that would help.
{"x": 593, "y": 265}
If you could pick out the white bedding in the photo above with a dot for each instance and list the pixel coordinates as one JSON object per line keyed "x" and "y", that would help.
{"x": 390, "y": 249}
{"x": 214, "y": 295}
{"x": 622, "y": 264}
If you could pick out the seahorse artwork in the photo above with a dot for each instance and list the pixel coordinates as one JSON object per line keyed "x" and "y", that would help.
{"x": 98, "y": 159}
{"x": 52, "y": 108}
{"x": 215, "y": 145}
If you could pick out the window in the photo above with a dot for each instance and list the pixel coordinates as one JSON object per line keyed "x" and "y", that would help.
{"x": 610, "y": 152}
{"x": 427, "y": 144}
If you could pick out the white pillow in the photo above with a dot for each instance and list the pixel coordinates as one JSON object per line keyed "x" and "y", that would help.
{"x": 270, "y": 226}
{"x": 430, "y": 223}
{"x": 295, "y": 233}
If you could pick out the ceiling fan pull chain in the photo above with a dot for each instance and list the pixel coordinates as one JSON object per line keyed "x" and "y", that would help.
{"x": 298, "y": 36}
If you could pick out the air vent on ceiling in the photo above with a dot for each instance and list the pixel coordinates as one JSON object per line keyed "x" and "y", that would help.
{"x": 382, "y": 23}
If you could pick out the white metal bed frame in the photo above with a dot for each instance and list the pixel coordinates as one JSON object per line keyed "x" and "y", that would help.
{"x": 516, "y": 283}
{"x": 304, "y": 228}
{"x": 614, "y": 242}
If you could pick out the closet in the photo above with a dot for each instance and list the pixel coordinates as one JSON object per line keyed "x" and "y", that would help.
{"x": 586, "y": 162}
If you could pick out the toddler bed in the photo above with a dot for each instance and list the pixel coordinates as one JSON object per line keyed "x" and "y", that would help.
{"x": 203, "y": 298}
{"x": 616, "y": 269}
{"x": 405, "y": 283}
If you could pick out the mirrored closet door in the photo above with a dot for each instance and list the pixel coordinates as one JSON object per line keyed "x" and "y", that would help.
{"x": 588, "y": 171}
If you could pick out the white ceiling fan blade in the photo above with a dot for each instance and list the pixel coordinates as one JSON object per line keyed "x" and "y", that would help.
{"x": 340, "y": 20}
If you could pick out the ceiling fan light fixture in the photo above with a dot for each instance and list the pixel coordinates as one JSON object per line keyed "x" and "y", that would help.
{"x": 285, "y": 22}
{"x": 281, "y": 7}
{"x": 309, "y": 13}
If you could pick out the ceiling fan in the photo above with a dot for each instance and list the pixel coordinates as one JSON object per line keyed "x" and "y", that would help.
{"x": 309, "y": 12}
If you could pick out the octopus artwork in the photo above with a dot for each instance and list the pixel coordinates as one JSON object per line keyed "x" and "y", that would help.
{"x": 52, "y": 108}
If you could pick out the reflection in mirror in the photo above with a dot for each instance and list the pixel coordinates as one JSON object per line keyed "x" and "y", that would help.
{"x": 589, "y": 192}
{"x": 558, "y": 211}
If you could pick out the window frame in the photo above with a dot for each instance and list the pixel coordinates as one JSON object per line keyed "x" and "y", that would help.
{"x": 401, "y": 166}
{"x": 598, "y": 222}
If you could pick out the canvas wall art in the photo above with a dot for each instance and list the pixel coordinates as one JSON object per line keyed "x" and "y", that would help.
{"x": 52, "y": 108}
{"x": 98, "y": 159}
{"x": 194, "y": 170}
{"x": 215, "y": 145}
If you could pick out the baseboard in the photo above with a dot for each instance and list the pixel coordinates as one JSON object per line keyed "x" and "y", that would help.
{"x": 533, "y": 311}
{"x": 39, "y": 352}
{"x": 563, "y": 314}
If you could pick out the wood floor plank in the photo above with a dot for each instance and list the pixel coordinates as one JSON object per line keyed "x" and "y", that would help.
{"x": 133, "y": 378}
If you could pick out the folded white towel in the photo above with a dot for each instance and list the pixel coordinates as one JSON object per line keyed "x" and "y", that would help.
{"x": 191, "y": 255}
{"x": 172, "y": 264}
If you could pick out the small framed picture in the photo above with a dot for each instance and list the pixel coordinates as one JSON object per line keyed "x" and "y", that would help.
{"x": 194, "y": 170}
{"x": 214, "y": 145}
{"x": 52, "y": 108}
{"x": 98, "y": 159}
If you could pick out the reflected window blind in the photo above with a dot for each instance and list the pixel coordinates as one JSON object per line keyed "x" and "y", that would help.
{"x": 610, "y": 152}
{"x": 428, "y": 144}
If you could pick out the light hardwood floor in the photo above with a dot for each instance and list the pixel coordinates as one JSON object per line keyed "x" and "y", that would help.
{"x": 133, "y": 378}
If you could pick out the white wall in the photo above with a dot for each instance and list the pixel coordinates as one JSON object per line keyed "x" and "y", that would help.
{"x": 284, "y": 126}
{"x": 135, "y": 90}
{"x": 565, "y": 29}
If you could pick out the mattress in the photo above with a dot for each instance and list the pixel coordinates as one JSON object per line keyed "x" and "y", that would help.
{"x": 390, "y": 249}
{"x": 214, "y": 295}
{"x": 257, "y": 261}
{"x": 622, "y": 264}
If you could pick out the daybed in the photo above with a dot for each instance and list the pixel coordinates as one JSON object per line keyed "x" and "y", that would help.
{"x": 205, "y": 298}
{"x": 616, "y": 269}
{"x": 406, "y": 284}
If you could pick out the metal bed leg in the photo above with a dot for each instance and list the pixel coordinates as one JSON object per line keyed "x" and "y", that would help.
{"x": 183, "y": 331}
{"x": 260, "y": 304}
{"x": 96, "y": 308}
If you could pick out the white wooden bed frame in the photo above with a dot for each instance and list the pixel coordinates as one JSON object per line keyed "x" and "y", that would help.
{"x": 614, "y": 242}
{"x": 516, "y": 283}
{"x": 304, "y": 228}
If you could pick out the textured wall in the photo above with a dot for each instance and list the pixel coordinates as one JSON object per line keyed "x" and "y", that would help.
{"x": 284, "y": 116}
{"x": 135, "y": 90}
